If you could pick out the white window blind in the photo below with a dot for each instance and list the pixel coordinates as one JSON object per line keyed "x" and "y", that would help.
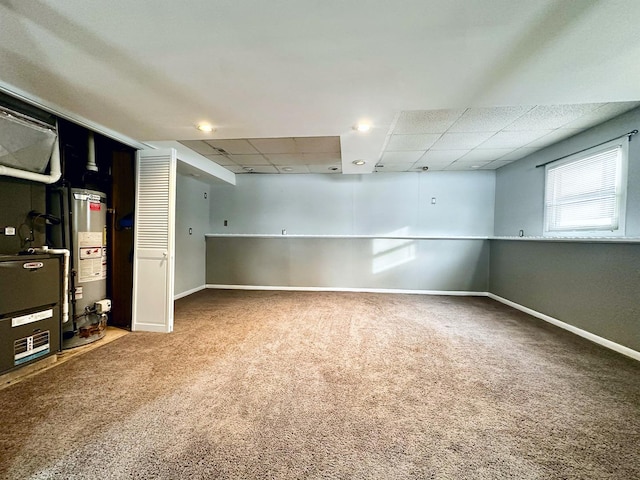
{"x": 586, "y": 192}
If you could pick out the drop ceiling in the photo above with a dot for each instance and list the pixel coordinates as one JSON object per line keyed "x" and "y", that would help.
{"x": 419, "y": 140}
{"x": 449, "y": 84}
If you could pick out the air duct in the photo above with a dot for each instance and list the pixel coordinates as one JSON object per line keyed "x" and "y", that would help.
{"x": 26, "y": 147}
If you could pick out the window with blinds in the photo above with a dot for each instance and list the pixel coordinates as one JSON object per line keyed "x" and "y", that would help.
{"x": 585, "y": 194}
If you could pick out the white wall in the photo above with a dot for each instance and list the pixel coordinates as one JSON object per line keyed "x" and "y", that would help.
{"x": 192, "y": 211}
{"x": 376, "y": 204}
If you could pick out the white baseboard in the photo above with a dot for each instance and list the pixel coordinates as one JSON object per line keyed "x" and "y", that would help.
{"x": 347, "y": 289}
{"x": 578, "y": 331}
{"x": 189, "y": 292}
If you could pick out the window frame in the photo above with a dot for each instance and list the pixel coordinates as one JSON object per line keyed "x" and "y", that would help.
{"x": 621, "y": 192}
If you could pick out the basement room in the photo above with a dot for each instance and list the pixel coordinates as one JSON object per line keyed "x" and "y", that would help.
{"x": 304, "y": 240}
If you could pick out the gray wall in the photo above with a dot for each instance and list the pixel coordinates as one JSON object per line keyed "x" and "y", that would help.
{"x": 378, "y": 205}
{"x": 192, "y": 211}
{"x": 520, "y": 185}
{"x": 593, "y": 286}
{"x": 366, "y": 263}
{"x": 17, "y": 199}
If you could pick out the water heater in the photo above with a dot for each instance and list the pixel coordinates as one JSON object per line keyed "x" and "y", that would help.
{"x": 88, "y": 221}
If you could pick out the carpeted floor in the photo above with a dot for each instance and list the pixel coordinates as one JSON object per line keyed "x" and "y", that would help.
{"x": 331, "y": 385}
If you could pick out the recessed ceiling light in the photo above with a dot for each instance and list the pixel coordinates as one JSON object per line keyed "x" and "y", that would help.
{"x": 363, "y": 127}
{"x": 248, "y": 169}
{"x": 425, "y": 168}
{"x": 205, "y": 127}
{"x": 358, "y": 162}
{"x": 475, "y": 166}
{"x": 287, "y": 169}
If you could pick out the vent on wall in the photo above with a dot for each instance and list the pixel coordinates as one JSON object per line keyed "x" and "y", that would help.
{"x": 31, "y": 347}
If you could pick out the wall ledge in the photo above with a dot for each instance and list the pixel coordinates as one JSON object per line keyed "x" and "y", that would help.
{"x": 571, "y": 239}
{"x": 575, "y": 330}
{"x": 384, "y": 237}
{"x": 435, "y": 237}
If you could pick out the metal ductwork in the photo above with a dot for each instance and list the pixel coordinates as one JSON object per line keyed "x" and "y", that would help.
{"x": 26, "y": 147}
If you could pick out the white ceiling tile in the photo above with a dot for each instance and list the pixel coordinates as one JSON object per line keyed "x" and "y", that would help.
{"x": 513, "y": 139}
{"x": 426, "y": 121}
{"x": 325, "y": 168}
{"x": 395, "y": 167}
{"x": 236, "y": 146}
{"x": 519, "y": 153}
{"x": 200, "y": 146}
{"x": 470, "y": 163}
{"x": 260, "y": 169}
{"x": 441, "y": 156}
{"x": 285, "y": 158}
{"x": 461, "y": 141}
{"x": 235, "y": 168}
{"x": 496, "y": 164}
{"x": 431, "y": 165}
{"x": 317, "y": 144}
{"x": 400, "y": 157}
{"x": 411, "y": 142}
{"x": 320, "y": 158}
{"x": 273, "y": 145}
{"x": 432, "y": 168}
{"x": 488, "y": 119}
{"x": 249, "y": 160}
{"x": 554, "y": 137}
{"x": 461, "y": 166}
{"x": 292, "y": 168}
{"x": 602, "y": 114}
{"x": 546, "y": 117}
{"x": 486, "y": 154}
{"x": 221, "y": 160}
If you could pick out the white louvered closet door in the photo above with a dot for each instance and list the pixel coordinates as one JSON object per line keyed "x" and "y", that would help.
{"x": 154, "y": 233}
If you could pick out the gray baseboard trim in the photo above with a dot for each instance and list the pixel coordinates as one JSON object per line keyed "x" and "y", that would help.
{"x": 189, "y": 292}
{"x": 347, "y": 289}
{"x": 578, "y": 331}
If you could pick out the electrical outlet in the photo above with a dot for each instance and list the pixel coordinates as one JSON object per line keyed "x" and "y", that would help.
{"x": 205, "y": 195}
{"x": 226, "y": 223}
{"x": 433, "y": 200}
{"x": 190, "y": 231}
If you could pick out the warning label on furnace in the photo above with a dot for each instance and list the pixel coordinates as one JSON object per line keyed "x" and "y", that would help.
{"x": 92, "y": 263}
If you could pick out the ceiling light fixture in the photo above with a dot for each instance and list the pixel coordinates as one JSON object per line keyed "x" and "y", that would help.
{"x": 287, "y": 169}
{"x": 425, "y": 168}
{"x": 363, "y": 127}
{"x": 358, "y": 162}
{"x": 205, "y": 127}
{"x": 248, "y": 169}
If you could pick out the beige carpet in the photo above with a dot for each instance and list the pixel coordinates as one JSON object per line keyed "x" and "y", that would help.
{"x": 331, "y": 385}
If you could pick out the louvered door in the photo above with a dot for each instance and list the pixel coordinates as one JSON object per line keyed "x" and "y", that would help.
{"x": 154, "y": 233}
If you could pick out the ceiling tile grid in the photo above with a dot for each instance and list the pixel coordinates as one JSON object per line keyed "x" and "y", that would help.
{"x": 487, "y": 138}
{"x": 293, "y": 155}
{"x": 446, "y": 139}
